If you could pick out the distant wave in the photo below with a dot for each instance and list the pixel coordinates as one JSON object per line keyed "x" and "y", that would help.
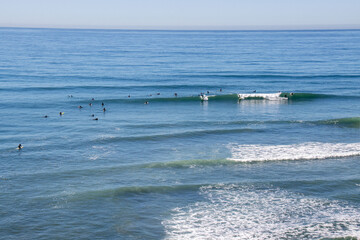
{"x": 129, "y": 88}
{"x": 186, "y": 75}
{"x": 233, "y": 97}
{"x": 152, "y": 90}
{"x": 303, "y": 151}
{"x": 277, "y": 76}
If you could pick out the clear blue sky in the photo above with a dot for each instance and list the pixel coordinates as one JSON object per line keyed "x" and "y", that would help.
{"x": 181, "y": 14}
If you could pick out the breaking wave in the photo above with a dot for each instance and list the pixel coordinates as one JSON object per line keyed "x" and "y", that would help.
{"x": 303, "y": 151}
{"x": 248, "y": 212}
{"x": 232, "y": 97}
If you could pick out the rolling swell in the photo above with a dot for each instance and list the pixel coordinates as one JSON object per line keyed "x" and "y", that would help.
{"x": 166, "y": 189}
{"x": 190, "y": 163}
{"x": 96, "y": 171}
{"x": 135, "y": 190}
{"x": 269, "y": 76}
{"x": 310, "y": 96}
{"x": 177, "y": 164}
{"x": 156, "y": 137}
{"x": 353, "y": 122}
{"x": 128, "y": 88}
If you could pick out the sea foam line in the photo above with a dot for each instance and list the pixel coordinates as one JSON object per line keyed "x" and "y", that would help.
{"x": 248, "y": 212}
{"x": 308, "y": 150}
{"x": 268, "y": 96}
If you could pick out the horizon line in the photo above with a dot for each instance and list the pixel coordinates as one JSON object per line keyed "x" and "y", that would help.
{"x": 194, "y": 28}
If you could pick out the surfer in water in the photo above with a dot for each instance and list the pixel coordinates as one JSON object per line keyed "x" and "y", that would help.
{"x": 20, "y": 147}
{"x": 61, "y": 113}
{"x": 102, "y": 104}
{"x": 104, "y": 109}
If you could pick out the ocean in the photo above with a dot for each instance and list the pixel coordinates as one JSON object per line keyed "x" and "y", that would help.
{"x": 279, "y": 167}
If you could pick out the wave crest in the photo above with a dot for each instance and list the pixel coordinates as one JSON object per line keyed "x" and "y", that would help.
{"x": 303, "y": 151}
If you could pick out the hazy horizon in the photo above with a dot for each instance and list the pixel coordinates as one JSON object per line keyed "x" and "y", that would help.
{"x": 182, "y": 15}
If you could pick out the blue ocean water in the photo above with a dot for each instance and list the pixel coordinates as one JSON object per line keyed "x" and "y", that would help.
{"x": 178, "y": 167}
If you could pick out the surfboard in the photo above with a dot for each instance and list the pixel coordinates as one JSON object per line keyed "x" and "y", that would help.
{"x": 204, "y": 98}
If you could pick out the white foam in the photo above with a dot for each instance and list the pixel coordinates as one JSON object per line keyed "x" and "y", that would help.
{"x": 105, "y": 136}
{"x": 233, "y": 212}
{"x": 309, "y": 150}
{"x": 268, "y": 96}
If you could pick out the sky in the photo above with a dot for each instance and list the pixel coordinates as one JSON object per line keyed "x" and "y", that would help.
{"x": 181, "y": 14}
